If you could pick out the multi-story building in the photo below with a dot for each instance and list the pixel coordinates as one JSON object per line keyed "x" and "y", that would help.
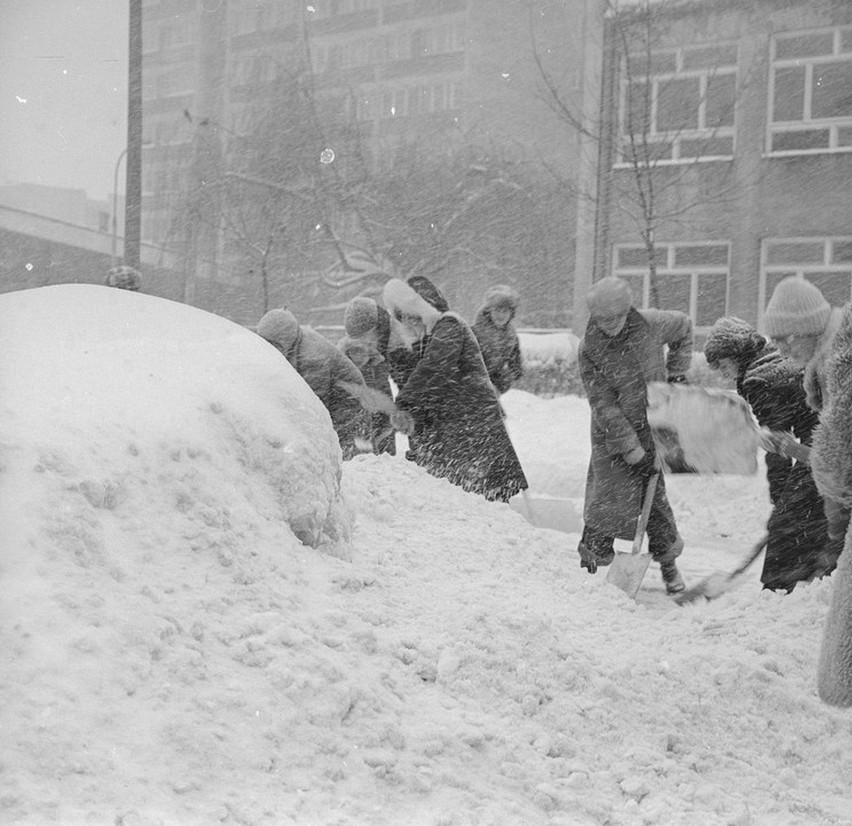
{"x": 727, "y": 149}
{"x": 398, "y": 69}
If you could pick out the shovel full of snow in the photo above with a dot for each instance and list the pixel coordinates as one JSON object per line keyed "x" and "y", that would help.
{"x": 628, "y": 570}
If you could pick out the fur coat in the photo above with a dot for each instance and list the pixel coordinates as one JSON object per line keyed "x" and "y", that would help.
{"x": 459, "y": 430}
{"x": 831, "y": 461}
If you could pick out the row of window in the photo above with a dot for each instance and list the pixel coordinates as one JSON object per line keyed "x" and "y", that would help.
{"x": 679, "y": 104}
{"x": 410, "y": 100}
{"x": 386, "y": 48}
{"x": 694, "y": 277}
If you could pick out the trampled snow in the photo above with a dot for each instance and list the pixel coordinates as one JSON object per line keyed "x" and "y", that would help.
{"x": 174, "y": 654}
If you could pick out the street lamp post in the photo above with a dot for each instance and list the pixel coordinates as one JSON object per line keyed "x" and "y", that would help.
{"x": 114, "y": 257}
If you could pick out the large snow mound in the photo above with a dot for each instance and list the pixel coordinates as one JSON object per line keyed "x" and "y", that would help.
{"x": 98, "y": 383}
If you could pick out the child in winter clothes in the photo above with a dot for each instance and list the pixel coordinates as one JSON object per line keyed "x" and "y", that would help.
{"x": 798, "y": 548}
{"x": 322, "y": 366}
{"x": 374, "y": 369}
{"x": 832, "y": 467}
{"x": 495, "y": 331}
{"x": 623, "y": 350}
{"x": 454, "y": 412}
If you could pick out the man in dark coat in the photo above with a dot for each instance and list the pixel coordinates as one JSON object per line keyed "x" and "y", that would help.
{"x": 798, "y": 548}
{"x": 454, "y": 409}
{"x": 495, "y": 331}
{"x": 323, "y": 367}
{"x": 623, "y": 350}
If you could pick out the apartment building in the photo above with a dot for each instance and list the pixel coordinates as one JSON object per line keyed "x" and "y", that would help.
{"x": 396, "y": 68}
{"x": 727, "y": 147}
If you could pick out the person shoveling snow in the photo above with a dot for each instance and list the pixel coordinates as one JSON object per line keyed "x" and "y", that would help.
{"x": 622, "y": 351}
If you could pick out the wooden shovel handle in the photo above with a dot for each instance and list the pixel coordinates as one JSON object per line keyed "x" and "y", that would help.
{"x": 642, "y": 522}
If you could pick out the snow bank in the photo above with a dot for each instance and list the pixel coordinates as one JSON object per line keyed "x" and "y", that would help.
{"x": 540, "y": 349}
{"x": 174, "y": 656}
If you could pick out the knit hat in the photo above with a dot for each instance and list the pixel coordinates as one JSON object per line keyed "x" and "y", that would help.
{"x": 424, "y": 287}
{"x": 361, "y": 316}
{"x": 502, "y": 295}
{"x": 279, "y": 327}
{"x": 797, "y": 307}
{"x": 609, "y": 297}
{"x": 124, "y": 278}
{"x": 733, "y": 338}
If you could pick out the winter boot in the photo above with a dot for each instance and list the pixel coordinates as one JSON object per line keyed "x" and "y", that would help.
{"x": 671, "y": 578}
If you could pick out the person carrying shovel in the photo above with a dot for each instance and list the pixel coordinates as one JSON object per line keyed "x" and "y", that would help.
{"x": 622, "y": 351}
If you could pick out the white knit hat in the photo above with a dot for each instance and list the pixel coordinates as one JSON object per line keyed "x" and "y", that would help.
{"x": 797, "y": 307}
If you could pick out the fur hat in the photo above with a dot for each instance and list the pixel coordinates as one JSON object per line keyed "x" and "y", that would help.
{"x": 424, "y": 287}
{"x": 361, "y": 316}
{"x": 609, "y": 297}
{"x": 797, "y": 307}
{"x": 279, "y": 327}
{"x": 124, "y": 278}
{"x": 400, "y": 298}
{"x": 502, "y": 295}
{"x": 733, "y": 338}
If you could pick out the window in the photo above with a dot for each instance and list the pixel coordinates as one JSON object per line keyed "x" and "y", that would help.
{"x": 692, "y": 278}
{"x": 811, "y": 92}
{"x": 825, "y": 262}
{"x": 411, "y": 100}
{"x": 681, "y": 101}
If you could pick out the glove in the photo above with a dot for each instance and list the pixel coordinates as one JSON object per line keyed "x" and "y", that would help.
{"x": 677, "y": 380}
{"x": 837, "y": 518}
{"x": 642, "y": 462}
{"x": 402, "y": 421}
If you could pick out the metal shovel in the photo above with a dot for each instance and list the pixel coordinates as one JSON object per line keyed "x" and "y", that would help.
{"x": 628, "y": 570}
{"x": 720, "y": 582}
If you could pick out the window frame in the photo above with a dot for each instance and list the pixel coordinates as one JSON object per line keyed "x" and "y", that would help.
{"x": 800, "y": 269}
{"x": 674, "y": 138}
{"x": 807, "y": 123}
{"x": 668, "y": 266}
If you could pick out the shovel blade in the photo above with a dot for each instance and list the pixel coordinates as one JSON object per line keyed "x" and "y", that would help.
{"x": 627, "y": 572}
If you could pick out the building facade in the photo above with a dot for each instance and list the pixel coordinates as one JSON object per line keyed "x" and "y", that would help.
{"x": 726, "y": 153}
{"x": 462, "y": 71}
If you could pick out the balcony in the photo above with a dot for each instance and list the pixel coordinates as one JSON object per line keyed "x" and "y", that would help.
{"x": 426, "y": 65}
{"x": 341, "y": 23}
{"x": 422, "y": 8}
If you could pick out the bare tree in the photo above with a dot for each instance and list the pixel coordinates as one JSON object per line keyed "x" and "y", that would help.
{"x": 657, "y": 126}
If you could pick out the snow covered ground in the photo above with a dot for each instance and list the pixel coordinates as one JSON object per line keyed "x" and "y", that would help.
{"x": 174, "y": 655}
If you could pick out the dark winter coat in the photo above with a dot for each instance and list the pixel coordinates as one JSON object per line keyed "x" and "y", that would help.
{"x": 459, "y": 432}
{"x": 831, "y": 461}
{"x": 323, "y": 366}
{"x": 501, "y": 349}
{"x": 798, "y": 544}
{"x": 615, "y": 372}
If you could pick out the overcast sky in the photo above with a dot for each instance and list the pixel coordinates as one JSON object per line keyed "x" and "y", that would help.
{"x": 63, "y": 108}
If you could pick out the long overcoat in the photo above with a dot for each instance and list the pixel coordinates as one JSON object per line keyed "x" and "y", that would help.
{"x": 501, "y": 350}
{"x": 323, "y": 366}
{"x": 798, "y": 531}
{"x": 615, "y": 372}
{"x": 460, "y": 432}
